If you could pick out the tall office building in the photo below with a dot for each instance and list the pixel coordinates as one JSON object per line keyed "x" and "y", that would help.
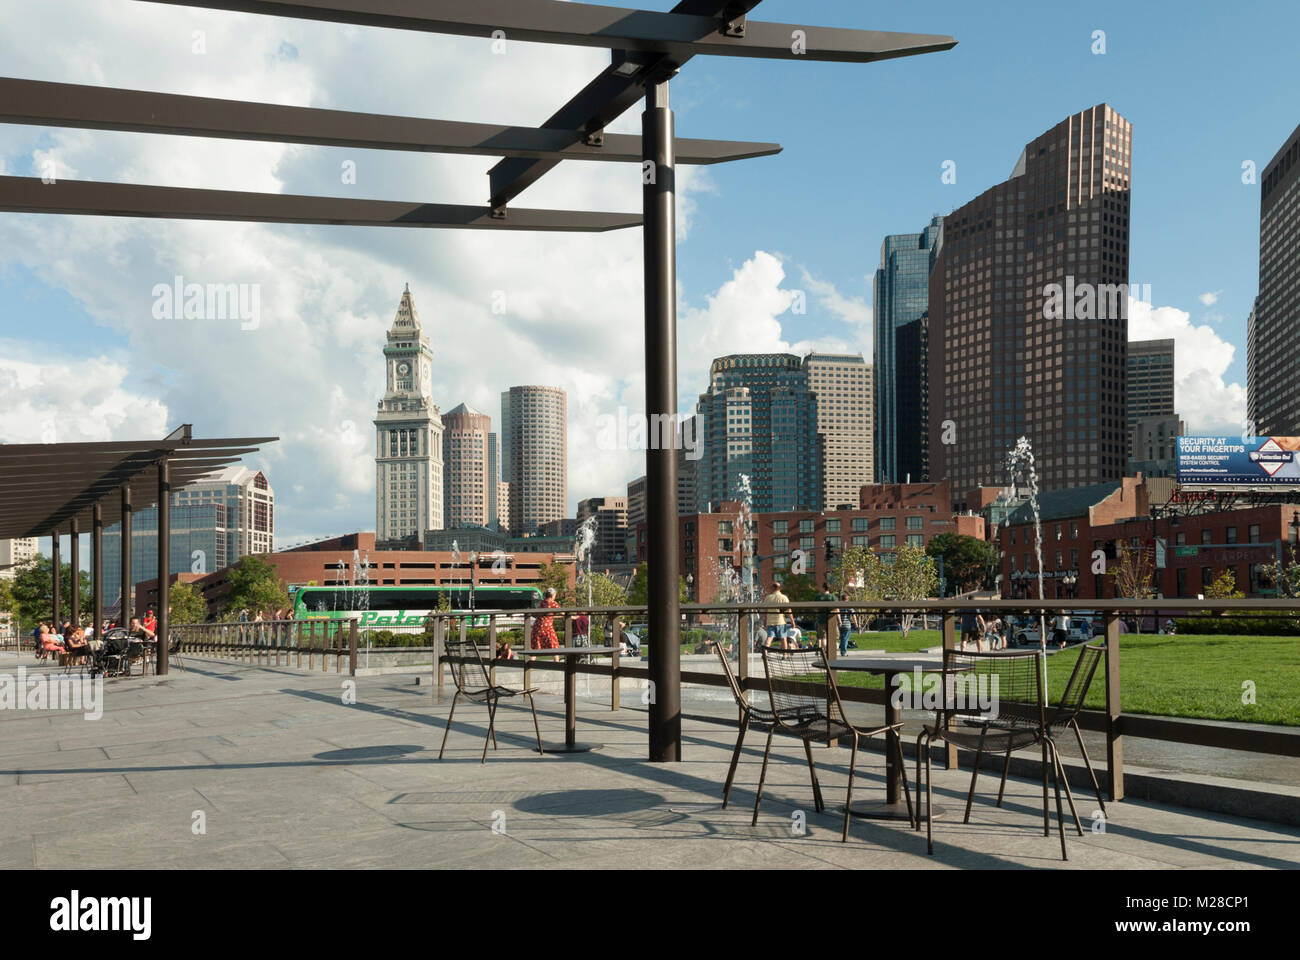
{"x": 1029, "y": 314}
{"x": 1150, "y": 386}
{"x": 469, "y": 489}
{"x": 214, "y": 522}
{"x": 534, "y": 455}
{"x": 611, "y": 528}
{"x": 1273, "y": 344}
{"x": 900, "y": 299}
{"x": 408, "y": 434}
{"x": 14, "y": 553}
{"x": 842, "y": 384}
{"x": 759, "y": 419}
{"x": 496, "y": 515}
{"x": 1252, "y": 380}
{"x": 636, "y": 512}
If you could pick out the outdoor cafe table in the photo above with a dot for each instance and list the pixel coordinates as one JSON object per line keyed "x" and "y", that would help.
{"x": 889, "y": 667}
{"x": 570, "y": 655}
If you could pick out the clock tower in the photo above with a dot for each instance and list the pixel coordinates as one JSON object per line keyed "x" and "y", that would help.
{"x": 408, "y": 434}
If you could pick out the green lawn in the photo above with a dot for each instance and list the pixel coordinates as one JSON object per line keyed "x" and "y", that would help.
{"x": 1189, "y": 676}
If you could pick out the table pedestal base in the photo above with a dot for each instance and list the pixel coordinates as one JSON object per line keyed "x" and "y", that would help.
{"x": 579, "y": 747}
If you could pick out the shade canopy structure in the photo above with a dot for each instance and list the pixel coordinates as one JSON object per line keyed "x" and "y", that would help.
{"x": 647, "y": 49}
{"x": 46, "y": 486}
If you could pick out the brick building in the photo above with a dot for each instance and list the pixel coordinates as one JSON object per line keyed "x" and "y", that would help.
{"x": 330, "y": 563}
{"x": 888, "y": 516}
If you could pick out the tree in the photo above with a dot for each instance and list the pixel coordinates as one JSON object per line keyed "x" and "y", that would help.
{"x": 800, "y": 587}
{"x": 1132, "y": 572}
{"x": 187, "y": 603}
{"x": 1224, "y": 587}
{"x": 605, "y": 592}
{"x": 32, "y": 592}
{"x": 638, "y": 594}
{"x": 556, "y": 575}
{"x": 968, "y": 562}
{"x": 912, "y": 576}
{"x": 255, "y": 587}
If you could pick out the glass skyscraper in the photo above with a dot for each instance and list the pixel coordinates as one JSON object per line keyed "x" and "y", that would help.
{"x": 901, "y": 298}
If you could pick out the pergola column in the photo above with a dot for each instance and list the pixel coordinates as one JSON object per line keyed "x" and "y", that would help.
{"x": 658, "y": 196}
{"x": 57, "y": 597}
{"x": 164, "y": 559}
{"x": 124, "y": 614}
{"x": 97, "y": 567}
{"x": 74, "y": 559}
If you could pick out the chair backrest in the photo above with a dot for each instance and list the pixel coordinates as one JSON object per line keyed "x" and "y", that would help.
{"x": 1001, "y": 688}
{"x": 1076, "y": 688}
{"x": 732, "y": 682}
{"x": 802, "y": 689}
{"x": 471, "y": 676}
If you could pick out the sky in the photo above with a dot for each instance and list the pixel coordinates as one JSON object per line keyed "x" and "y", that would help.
{"x": 1210, "y": 89}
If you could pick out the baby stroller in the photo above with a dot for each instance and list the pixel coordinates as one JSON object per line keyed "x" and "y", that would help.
{"x": 115, "y": 654}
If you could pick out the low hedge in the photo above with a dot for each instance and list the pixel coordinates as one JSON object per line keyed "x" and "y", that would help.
{"x": 1241, "y": 624}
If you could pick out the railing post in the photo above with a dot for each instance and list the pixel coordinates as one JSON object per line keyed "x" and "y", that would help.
{"x": 1114, "y": 741}
{"x": 492, "y": 648}
{"x": 744, "y": 631}
{"x": 949, "y": 643}
{"x": 614, "y": 681}
{"x": 528, "y": 661}
{"x": 352, "y": 647}
{"x": 439, "y": 649}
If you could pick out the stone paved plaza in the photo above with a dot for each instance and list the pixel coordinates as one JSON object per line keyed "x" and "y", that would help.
{"x": 282, "y": 773}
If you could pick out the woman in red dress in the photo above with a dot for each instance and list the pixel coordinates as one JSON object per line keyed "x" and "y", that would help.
{"x": 544, "y": 637}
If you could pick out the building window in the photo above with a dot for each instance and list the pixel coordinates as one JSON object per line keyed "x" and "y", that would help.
{"x": 1207, "y": 577}
{"x": 915, "y": 523}
{"x": 1074, "y": 530}
{"x": 805, "y": 543}
{"x": 1058, "y": 532}
{"x": 1254, "y": 533}
{"x": 780, "y": 544}
{"x": 887, "y": 542}
{"x": 780, "y": 526}
{"x": 833, "y": 542}
{"x": 859, "y": 523}
{"x": 805, "y": 526}
{"x": 833, "y": 526}
{"x": 1205, "y": 537}
{"x": 724, "y": 527}
{"x": 888, "y": 523}
{"x": 915, "y": 540}
{"x": 1013, "y": 536}
{"x": 860, "y": 542}
{"x": 1231, "y": 535}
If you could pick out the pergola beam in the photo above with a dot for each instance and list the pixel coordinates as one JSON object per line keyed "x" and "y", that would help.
{"x": 84, "y": 107}
{"x": 677, "y": 34}
{"x": 92, "y": 198}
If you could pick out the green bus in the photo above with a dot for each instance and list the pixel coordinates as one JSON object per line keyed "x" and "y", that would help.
{"x": 408, "y": 606}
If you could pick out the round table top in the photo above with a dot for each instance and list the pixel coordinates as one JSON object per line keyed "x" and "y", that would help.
{"x": 885, "y": 664}
{"x": 561, "y": 651}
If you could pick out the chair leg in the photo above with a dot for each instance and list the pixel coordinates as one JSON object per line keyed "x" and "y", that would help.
{"x": 929, "y": 803}
{"x": 1006, "y": 766}
{"x": 1060, "y": 814}
{"x": 1069, "y": 796}
{"x": 902, "y": 775}
{"x": 762, "y": 776}
{"x": 848, "y": 798}
{"x": 448, "y": 728}
{"x": 735, "y": 759}
{"x": 1096, "y": 787}
{"x": 919, "y": 737}
{"x": 491, "y": 736}
{"x": 812, "y": 768}
{"x": 1047, "y": 820}
{"x": 974, "y": 774}
{"x": 536, "y": 729}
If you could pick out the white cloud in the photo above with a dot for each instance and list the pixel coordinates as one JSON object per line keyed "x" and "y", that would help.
{"x": 1205, "y": 401}
{"x": 76, "y": 400}
{"x": 1210, "y": 299}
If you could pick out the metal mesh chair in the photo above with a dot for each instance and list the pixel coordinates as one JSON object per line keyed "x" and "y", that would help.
{"x": 806, "y": 704}
{"x": 764, "y": 721}
{"x": 997, "y": 702}
{"x": 475, "y": 685}
{"x": 1066, "y": 715}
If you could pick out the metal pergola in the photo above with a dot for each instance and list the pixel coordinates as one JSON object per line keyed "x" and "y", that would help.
{"x": 647, "y": 48}
{"x": 47, "y": 489}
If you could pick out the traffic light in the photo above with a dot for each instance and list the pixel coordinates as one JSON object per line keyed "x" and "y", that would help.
{"x": 829, "y": 551}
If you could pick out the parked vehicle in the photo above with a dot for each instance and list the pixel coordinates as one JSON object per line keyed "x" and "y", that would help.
{"x": 1026, "y": 634}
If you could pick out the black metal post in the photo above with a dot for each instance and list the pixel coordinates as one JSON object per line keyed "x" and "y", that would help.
{"x": 660, "y": 252}
{"x": 97, "y": 568}
{"x": 124, "y": 611}
{"x": 57, "y": 597}
{"x": 74, "y": 559}
{"x": 164, "y": 562}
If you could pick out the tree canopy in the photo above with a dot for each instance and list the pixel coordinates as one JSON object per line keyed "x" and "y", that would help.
{"x": 31, "y": 593}
{"x": 256, "y": 587}
{"x": 968, "y": 562}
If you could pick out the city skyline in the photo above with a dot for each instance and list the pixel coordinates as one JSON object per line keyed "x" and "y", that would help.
{"x": 325, "y": 296}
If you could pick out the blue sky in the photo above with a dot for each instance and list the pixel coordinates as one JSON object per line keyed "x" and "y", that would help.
{"x": 1207, "y": 88}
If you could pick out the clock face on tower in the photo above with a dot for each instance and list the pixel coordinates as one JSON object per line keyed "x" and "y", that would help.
{"x": 403, "y": 369}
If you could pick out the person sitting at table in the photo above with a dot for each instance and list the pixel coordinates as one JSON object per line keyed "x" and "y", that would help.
{"x": 48, "y": 644}
{"x": 75, "y": 645}
{"x": 504, "y": 651}
{"x": 140, "y": 631}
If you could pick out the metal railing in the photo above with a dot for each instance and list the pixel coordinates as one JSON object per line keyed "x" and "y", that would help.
{"x": 273, "y": 642}
{"x": 1111, "y": 721}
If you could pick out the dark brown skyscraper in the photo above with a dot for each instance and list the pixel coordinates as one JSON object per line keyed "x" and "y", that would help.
{"x": 1273, "y": 338}
{"x": 1029, "y": 314}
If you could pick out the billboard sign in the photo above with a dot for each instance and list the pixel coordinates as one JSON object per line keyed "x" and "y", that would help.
{"x": 1239, "y": 461}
